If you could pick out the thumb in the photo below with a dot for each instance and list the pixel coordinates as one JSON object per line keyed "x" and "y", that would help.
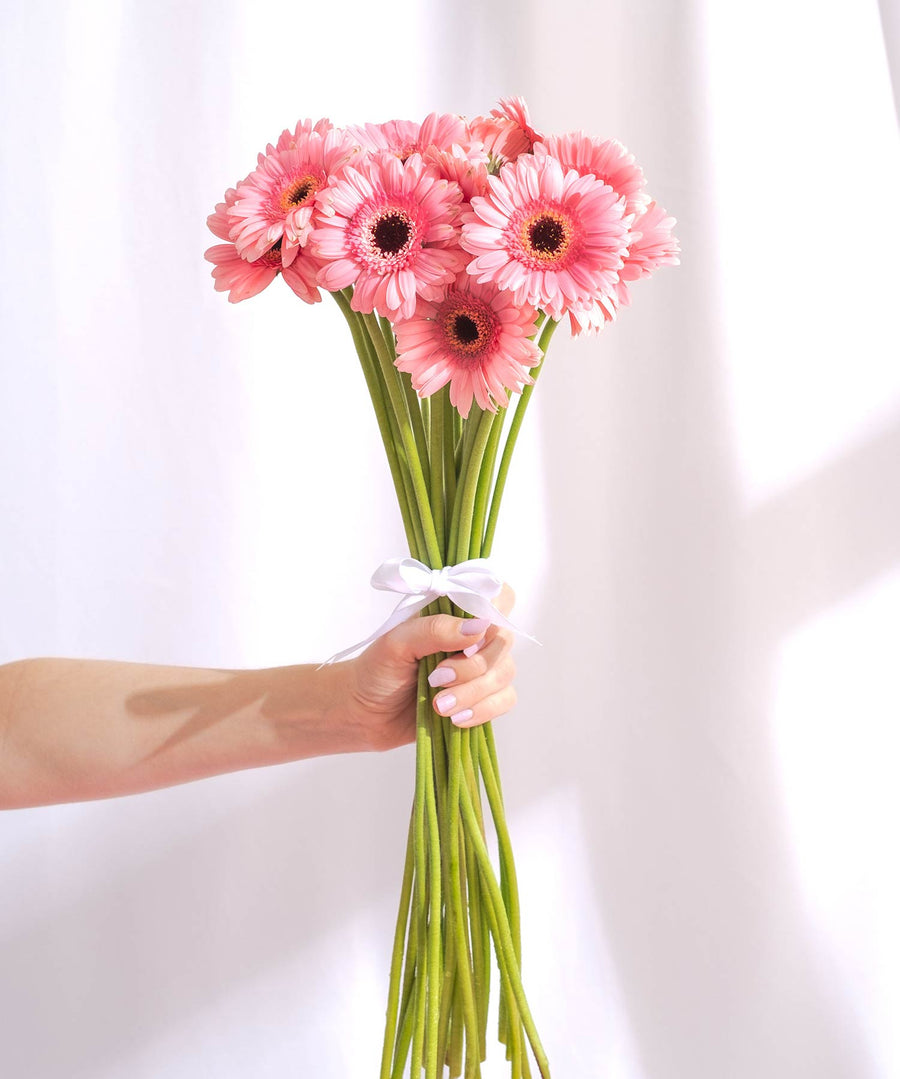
{"x": 419, "y": 637}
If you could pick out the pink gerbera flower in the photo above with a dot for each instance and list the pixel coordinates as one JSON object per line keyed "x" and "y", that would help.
{"x": 389, "y": 228}
{"x": 277, "y": 199}
{"x": 651, "y": 245}
{"x": 506, "y": 133}
{"x": 218, "y": 222}
{"x": 555, "y": 239}
{"x": 405, "y": 137}
{"x": 239, "y": 278}
{"x": 590, "y": 317}
{"x": 476, "y": 337}
{"x": 242, "y": 279}
{"x": 466, "y": 167}
{"x": 288, "y": 140}
{"x": 607, "y": 159}
{"x": 515, "y": 110}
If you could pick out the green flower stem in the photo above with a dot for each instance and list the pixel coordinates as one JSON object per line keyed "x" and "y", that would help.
{"x": 480, "y": 956}
{"x": 482, "y": 491}
{"x": 481, "y": 949}
{"x": 462, "y": 461}
{"x": 413, "y": 404}
{"x": 507, "y": 1032}
{"x": 516, "y": 1052}
{"x": 450, "y": 416}
{"x": 397, "y": 958}
{"x": 526, "y": 1067}
{"x": 513, "y": 1036}
{"x": 448, "y": 990}
{"x": 456, "y": 913}
{"x": 435, "y": 975}
{"x": 419, "y": 550}
{"x": 466, "y": 543}
{"x": 439, "y": 748}
{"x": 502, "y": 939}
{"x": 397, "y": 459}
{"x": 457, "y": 1032}
{"x": 474, "y": 1054}
{"x": 436, "y": 463}
{"x": 470, "y": 486}
{"x": 398, "y": 403}
{"x": 506, "y": 457}
{"x": 423, "y": 775}
{"x": 414, "y": 407}
{"x": 429, "y": 970}
{"x": 412, "y": 938}
{"x": 477, "y": 431}
{"x": 425, "y": 405}
{"x": 404, "y": 1040}
{"x": 360, "y": 341}
{"x": 508, "y": 887}
{"x": 407, "y": 999}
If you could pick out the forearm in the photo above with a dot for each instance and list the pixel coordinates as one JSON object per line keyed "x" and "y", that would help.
{"x": 72, "y": 730}
{"x": 79, "y": 729}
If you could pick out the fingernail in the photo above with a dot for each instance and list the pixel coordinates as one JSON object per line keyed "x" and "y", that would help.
{"x": 473, "y": 648}
{"x": 441, "y": 676}
{"x": 471, "y": 626}
{"x": 462, "y": 717}
{"x": 445, "y": 702}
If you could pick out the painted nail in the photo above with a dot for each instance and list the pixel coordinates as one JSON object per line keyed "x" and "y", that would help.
{"x": 445, "y": 702}
{"x": 471, "y": 626}
{"x": 462, "y": 717}
{"x": 441, "y": 676}
{"x": 473, "y": 648}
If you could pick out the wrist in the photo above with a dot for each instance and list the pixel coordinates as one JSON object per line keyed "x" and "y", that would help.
{"x": 307, "y": 712}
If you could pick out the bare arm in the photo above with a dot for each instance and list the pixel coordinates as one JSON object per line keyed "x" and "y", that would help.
{"x": 72, "y": 730}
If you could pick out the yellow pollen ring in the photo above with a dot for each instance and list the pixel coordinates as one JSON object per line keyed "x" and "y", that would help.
{"x": 272, "y": 257}
{"x": 467, "y": 329}
{"x": 300, "y": 191}
{"x": 546, "y": 236}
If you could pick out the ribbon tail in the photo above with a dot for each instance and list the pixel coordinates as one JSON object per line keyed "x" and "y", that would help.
{"x": 407, "y": 607}
{"x": 481, "y": 607}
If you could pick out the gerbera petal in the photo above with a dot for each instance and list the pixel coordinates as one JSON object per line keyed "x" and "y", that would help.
{"x": 238, "y": 277}
{"x": 476, "y": 337}
{"x": 337, "y": 275}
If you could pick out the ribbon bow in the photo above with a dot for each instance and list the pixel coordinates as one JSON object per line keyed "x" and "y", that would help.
{"x": 471, "y": 585}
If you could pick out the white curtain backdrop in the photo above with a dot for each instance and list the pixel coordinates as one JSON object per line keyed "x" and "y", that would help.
{"x": 703, "y": 527}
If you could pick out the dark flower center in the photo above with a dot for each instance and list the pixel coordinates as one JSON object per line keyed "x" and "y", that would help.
{"x": 272, "y": 257}
{"x": 470, "y": 328}
{"x": 299, "y": 192}
{"x": 465, "y": 329}
{"x": 547, "y": 235}
{"x": 391, "y": 233}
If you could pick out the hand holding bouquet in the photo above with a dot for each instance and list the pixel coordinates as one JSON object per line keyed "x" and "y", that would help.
{"x": 454, "y": 249}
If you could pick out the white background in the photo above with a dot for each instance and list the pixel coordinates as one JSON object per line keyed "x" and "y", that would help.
{"x": 703, "y": 527}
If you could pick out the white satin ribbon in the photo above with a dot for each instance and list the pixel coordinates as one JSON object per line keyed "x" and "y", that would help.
{"x": 471, "y": 585}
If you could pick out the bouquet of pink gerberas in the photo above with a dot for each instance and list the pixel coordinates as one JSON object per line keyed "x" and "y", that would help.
{"x": 453, "y": 248}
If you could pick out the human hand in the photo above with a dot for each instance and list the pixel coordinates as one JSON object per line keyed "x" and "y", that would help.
{"x": 379, "y": 686}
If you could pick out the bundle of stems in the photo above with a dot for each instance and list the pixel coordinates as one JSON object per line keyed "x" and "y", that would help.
{"x": 449, "y": 474}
